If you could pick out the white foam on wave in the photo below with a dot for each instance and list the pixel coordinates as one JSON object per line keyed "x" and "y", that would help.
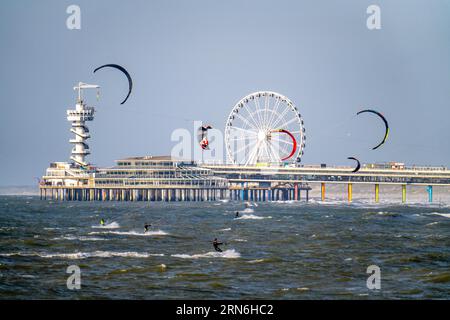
{"x": 81, "y": 238}
{"x": 112, "y": 225}
{"x": 370, "y": 203}
{"x": 446, "y": 215}
{"x": 7, "y": 228}
{"x": 228, "y": 254}
{"x": 248, "y": 210}
{"x": 252, "y": 216}
{"x": 133, "y": 233}
{"x": 387, "y": 213}
{"x": 251, "y": 204}
{"x": 256, "y": 261}
{"x": 226, "y": 229}
{"x": 327, "y": 202}
{"x": 84, "y": 255}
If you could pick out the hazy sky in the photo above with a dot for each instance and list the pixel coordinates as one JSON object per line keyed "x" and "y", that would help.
{"x": 194, "y": 59}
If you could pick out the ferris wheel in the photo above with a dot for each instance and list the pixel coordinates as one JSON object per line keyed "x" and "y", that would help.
{"x": 264, "y": 127}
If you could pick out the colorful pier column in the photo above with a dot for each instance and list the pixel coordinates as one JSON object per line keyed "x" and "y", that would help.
{"x": 350, "y": 192}
{"x": 377, "y": 193}
{"x": 430, "y": 193}
{"x": 323, "y": 191}
{"x": 296, "y": 191}
{"x": 404, "y": 193}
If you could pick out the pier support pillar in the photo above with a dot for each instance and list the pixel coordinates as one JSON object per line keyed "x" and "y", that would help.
{"x": 377, "y": 193}
{"x": 430, "y": 193}
{"x": 322, "y": 189}
{"x": 404, "y": 193}
{"x": 296, "y": 191}
{"x": 350, "y": 192}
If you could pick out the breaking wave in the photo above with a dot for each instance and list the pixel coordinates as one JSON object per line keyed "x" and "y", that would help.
{"x": 252, "y": 216}
{"x": 83, "y": 255}
{"x": 133, "y": 233}
{"x": 81, "y": 238}
{"x": 446, "y": 215}
{"x": 112, "y": 225}
{"x": 228, "y": 254}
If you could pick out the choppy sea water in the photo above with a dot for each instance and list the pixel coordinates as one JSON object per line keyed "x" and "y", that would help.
{"x": 282, "y": 250}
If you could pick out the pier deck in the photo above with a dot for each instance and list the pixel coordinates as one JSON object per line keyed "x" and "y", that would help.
{"x": 147, "y": 179}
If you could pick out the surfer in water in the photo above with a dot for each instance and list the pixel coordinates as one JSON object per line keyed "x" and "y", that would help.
{"x": 146, "y": 226}
{"x": 237, "y": 214}
{"x": 216, "y": 245}
{"x": 102, "y": 222}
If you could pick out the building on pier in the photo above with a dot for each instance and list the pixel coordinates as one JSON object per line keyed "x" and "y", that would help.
{"x": 151, "y": 178}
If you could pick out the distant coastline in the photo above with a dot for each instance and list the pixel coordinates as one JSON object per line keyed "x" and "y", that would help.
{"x": 19, "y": 191}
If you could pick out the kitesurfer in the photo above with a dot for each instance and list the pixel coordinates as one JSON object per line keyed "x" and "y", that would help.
{"x": 146, "y": 226}
{"x": 204, "y": 143}
{"x": 202, "y": 136}
{"x": 102, "y": 222}
{"x": 216, "y": 245}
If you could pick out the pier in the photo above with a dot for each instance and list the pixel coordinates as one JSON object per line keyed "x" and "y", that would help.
{"x": 295, "y": 178}
{"x": 261, "y": 174}
{"x": 162, "y": 178}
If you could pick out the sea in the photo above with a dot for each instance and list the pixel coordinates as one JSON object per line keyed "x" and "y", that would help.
{"x": 272, "y": 250}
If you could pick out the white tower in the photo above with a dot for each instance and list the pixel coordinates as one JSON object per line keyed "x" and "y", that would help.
{"x": 78, "y": 117}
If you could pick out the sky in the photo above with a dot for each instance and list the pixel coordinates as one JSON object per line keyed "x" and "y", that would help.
{"x": 194, "y": 59}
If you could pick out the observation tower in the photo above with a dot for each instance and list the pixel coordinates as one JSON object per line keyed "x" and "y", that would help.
{"x": 78, "y": 118}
